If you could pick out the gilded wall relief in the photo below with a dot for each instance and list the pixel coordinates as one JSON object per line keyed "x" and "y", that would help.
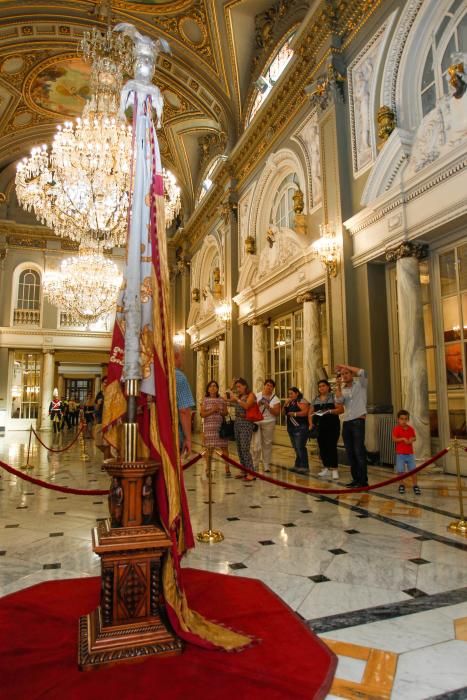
{"x": 59, "y": 86}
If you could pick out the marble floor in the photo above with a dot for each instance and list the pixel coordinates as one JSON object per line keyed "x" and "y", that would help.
{"x": 378, "y": 576}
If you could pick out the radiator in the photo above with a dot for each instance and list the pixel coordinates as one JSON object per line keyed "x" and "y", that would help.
{"x": 386, "y": 446}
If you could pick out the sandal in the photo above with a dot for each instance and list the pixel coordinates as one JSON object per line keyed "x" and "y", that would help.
{"x": 248, "y": 477}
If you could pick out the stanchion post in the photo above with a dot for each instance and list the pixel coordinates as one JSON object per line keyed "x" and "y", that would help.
{"x": 459, "y": 526}
{"x": 84, "y": 455}
{"x": 27, "y": 465}
{"x": 210, "y": 535}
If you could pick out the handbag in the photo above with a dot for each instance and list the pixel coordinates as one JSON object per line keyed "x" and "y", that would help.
{"x": 313, "y": 432}
{"x": 253, "y": 414}
{"x": 226, "y": 430}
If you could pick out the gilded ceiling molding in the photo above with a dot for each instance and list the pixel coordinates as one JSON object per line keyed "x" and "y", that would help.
{"x": 170, "y": 7}
{"x": 15, "y": 241}
{"x": 345, "y": 20}
{"x": 210, "y": 145}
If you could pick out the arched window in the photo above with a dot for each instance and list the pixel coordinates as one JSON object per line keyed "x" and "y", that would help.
{"x": 282, "y": 211}
{"x": 29, "y": 287}
{"x": 271, "y": 74}
{"x": 27, "y": 307}
{"x": 448, "y": 39}
{"x": 207, "y": 182}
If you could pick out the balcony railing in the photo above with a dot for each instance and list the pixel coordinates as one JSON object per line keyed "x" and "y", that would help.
{"x": 68, "y": 321}
{"x": 26, "y": 317}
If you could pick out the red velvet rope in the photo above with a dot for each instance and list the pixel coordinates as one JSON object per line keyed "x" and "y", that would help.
{"x": 63, "y": 449}
{"x": 194, "y": 460}
{"x": 66, "y": 489}
{"x": 306, "y": 489}
{"x": 53, "y": 487}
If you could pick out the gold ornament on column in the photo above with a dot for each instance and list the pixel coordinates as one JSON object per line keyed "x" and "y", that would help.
{"x": 217, "y": 289}
{"x": 386, "y": 122}
{"x": 250, "y": 245}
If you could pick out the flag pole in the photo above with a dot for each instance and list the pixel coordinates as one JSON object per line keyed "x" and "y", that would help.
{"x": 131, "y": 622}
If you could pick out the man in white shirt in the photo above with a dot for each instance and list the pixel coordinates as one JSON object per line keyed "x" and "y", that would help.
{"x": 270, "y": 406}
{"x": 351, "y": 391}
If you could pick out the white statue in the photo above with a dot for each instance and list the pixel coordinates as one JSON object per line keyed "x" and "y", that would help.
{"x": 310, "y": 135}
{"x": 315, "y": 158}
{"x": 362, "y": 117}
{"x": 145, "y": 52}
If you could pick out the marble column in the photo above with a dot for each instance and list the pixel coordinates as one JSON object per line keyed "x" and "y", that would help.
{"x": 412, "y": 353}
{"x": 259, "y": 351}
{"x": 97, "y": 384}
{"x": 61, "y": 385}
{"x": 312, "y": 346}
{"x": 222, "y": 365}
{"x": 201, "y": 381}
{"x": 47, "y": 387}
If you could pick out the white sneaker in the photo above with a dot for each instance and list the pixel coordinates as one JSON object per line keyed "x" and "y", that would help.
{"x": 324, "y": 472}
{"x": 335, "y": 474}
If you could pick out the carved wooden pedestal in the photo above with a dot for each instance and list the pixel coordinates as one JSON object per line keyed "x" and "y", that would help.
{"x": 130, "y": 622}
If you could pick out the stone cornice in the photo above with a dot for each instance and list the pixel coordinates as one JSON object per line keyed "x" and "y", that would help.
{"x": 398, "y": 196}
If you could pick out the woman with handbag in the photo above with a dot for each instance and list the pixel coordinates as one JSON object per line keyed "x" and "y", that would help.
{"x": 324, "y": 416}
{"x": 296, "y": 410}
{"x": 244, "y": 401}
{"x": 213, "y": 409}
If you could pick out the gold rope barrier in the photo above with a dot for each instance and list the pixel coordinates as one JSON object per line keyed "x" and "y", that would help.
{"x": 84, "y": 457}
{"x": 210, "y": 536}
{"x": 459, "y": 526}
{"x": 27, "y": 465}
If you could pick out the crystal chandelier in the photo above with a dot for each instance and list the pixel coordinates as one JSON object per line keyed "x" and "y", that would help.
{"x": 80, "y": 189}
{"x": 171, "y": 197}
{"x": 85, "y": 287}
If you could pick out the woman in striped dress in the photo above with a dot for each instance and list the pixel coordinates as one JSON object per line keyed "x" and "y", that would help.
{"x": 213, "y": 409}
{"x": 244, "y": 399}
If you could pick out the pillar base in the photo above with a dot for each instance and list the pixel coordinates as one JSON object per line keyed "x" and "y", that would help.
{"x": 130, "y": 622}
{"x": 100, "y": 646}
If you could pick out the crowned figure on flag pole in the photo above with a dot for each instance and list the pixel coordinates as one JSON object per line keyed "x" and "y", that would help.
{"x": 140, "y": 419}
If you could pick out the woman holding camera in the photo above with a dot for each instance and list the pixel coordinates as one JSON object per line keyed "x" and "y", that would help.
{"x": 296, "y": 410}
{"x": 324, "y": 416}
{"x": 242, "y": 400}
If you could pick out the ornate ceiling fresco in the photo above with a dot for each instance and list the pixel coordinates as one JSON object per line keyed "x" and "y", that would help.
{"x": 219, "y": 48}
{"x": 43, "y": 81}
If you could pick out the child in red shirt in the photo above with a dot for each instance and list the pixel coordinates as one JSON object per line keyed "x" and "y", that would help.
{"x": 404, "y": 437}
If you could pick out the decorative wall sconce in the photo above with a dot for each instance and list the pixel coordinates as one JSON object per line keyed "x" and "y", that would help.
{"x": 224, "y": 312}
{"x": 179, "y": 338}
{"x": 326, "y": 248}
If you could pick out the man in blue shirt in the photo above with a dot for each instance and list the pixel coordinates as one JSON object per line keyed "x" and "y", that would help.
{"x": 185, "y": 404}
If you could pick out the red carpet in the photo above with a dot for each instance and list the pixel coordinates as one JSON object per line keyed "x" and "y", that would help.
{"x": 39, "y": 631}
